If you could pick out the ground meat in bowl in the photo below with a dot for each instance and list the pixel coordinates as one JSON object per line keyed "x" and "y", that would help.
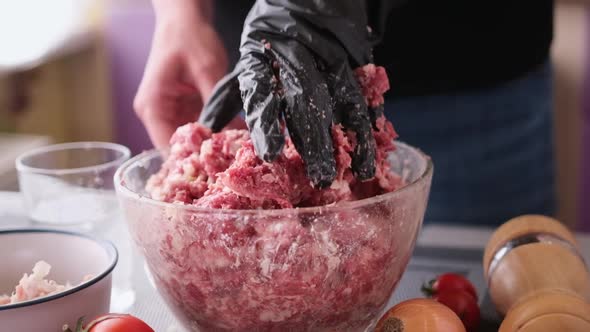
{"x": 222, "y": 268}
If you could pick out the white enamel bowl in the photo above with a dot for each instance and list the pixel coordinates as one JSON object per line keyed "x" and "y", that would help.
{"x": 72, "y": 256}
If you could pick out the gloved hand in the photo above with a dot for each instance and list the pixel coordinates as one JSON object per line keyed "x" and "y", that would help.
{"x": 296, "y": 64}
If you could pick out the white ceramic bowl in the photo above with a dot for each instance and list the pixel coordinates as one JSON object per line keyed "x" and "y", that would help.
{"x": 72, "y": 256}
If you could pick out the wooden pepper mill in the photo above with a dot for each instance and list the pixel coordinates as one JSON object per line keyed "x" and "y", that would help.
{"x": 537, "y": 277}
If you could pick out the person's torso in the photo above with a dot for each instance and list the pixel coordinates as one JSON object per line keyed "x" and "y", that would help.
{"x": 433, "y": 46}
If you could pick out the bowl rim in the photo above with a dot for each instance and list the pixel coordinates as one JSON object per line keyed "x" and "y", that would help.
{"x": 108, "y": 246}
{"x": 123, "y": 190}
{"x": 125, "y": 154}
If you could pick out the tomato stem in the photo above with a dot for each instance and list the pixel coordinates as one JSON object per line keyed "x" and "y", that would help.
{"x": 428, "y": 288}
{"x": 78, "y": 328}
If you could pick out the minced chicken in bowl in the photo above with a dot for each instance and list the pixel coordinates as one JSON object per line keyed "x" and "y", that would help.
{"x": 36, "y": 285}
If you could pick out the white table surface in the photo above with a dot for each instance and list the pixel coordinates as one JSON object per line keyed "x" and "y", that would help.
{"x": 149, "y": 306}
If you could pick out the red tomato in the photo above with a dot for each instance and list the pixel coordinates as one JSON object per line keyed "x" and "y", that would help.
{"x": 118, "y": 323}
{"x": 449, "y": 282}
{"x": 114, "y": 323}
{"x": 464, "y": 305}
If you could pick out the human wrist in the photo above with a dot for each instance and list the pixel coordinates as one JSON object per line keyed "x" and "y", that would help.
{"x": 183, "y": 10}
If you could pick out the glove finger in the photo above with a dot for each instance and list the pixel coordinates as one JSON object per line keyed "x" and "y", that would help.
{"x": 308, "y": 112}
{"x": 375, "y": 113}
{"x": 351, "y": 110}
{"x": 262, "y": 103}
{"x": 225, "y": 103}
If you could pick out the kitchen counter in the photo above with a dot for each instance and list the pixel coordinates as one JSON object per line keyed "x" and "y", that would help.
{"x": 440, "y": 248}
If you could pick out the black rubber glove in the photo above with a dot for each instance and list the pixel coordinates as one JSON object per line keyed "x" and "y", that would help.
{"x": 296, "y": 64}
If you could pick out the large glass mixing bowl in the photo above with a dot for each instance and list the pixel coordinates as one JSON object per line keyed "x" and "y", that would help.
{"x": 330, "y": 268}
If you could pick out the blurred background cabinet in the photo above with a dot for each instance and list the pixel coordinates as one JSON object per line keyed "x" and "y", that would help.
{"x": 67, "y": 98}
{"x": 570, "y": 59}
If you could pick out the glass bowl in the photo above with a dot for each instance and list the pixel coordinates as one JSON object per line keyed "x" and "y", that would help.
{"x": 70, "y": 184}
{"x": 330, "y": 268}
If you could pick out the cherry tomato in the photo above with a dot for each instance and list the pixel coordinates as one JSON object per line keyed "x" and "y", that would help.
{"x": 114, "y": 323}
{"x": 464, "y": 305}
{"x": 449, "y": 282}
{"x": 420, "y": 315}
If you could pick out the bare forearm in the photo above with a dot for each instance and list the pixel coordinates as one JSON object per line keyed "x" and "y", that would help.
{"x": 201, "y": 10}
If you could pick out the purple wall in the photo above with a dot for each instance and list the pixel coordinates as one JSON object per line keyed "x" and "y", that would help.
{"x": 584, "y": 197}
{"x": 128, "y": 38}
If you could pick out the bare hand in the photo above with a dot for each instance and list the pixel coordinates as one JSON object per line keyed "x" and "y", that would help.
{"x": 186, "y": 60}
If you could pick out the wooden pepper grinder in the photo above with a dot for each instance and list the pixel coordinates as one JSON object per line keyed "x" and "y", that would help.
{"x": 537, "y": 277}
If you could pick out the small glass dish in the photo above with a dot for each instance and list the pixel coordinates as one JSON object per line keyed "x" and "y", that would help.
{"x": 70, "y": 184}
